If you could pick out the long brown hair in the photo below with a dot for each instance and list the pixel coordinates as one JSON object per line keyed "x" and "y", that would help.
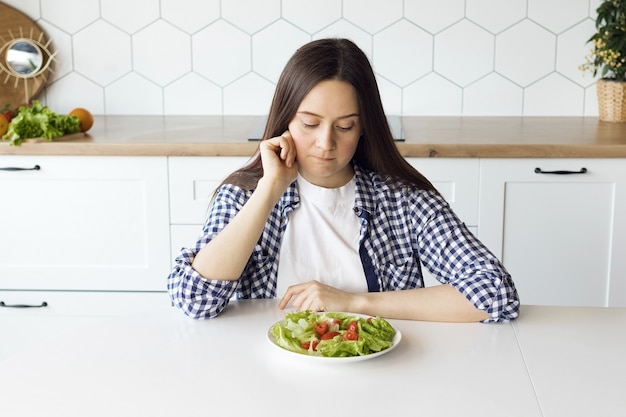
{"x": 339, "y": 59}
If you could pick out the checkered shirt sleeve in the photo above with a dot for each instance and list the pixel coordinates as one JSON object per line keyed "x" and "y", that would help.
{"x": 408, "y": 229}
{"x": 194, "y": 295}
{"x": 455, "y": 256}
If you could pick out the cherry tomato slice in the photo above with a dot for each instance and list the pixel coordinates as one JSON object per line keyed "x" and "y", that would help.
{"x": 353, "y": 326}
{"x": 350, "y": 335}
{"x": 307, "y": 345}
{"x": 329, "y": 335}
{"x": 321, "y": 327}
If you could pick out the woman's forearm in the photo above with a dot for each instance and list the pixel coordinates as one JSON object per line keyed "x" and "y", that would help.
{"x": 227, "y": 254}
{"x": 437, "y": 303}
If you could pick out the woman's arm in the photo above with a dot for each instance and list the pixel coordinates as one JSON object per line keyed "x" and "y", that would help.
{"x": 437, "y": 303}
{"x": 227, "y": 254}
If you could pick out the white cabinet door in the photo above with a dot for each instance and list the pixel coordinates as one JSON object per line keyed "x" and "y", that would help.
{"x": 84, "y": 223}
{"x": 561, "y": 235}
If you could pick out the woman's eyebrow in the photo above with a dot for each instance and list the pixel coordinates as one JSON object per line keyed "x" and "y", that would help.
{"x": 321, "y": 117}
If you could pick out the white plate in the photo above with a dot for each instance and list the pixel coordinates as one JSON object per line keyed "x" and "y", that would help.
{"x": 396, "y": 340}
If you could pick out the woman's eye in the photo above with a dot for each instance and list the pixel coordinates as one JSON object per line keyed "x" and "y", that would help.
{"x": 309, "y": 125}
{"x": 345, "y": 128}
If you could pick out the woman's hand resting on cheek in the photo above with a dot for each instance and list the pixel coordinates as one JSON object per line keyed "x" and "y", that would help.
{"x": 278, "y": 156}
{"x": 316, "y": 296}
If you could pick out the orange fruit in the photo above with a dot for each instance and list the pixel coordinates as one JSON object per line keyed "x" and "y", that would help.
{"x": 85, "y": 117}
{"x": 4, "y": 125}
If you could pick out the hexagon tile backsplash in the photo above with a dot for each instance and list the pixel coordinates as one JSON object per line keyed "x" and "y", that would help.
{"x": 223, "y": 57}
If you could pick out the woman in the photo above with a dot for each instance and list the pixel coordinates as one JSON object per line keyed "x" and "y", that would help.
{"x": 329, "y": 216}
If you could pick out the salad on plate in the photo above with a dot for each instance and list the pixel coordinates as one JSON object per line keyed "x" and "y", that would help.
{"x": 332, "y": 334}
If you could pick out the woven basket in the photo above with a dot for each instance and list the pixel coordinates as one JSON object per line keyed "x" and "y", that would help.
{"x": 612, "y": 100}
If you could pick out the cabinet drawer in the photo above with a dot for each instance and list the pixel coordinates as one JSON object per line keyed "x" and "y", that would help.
{"x": 81, "y": 303}
{"x": 22, "y": 328}
{"x": 192, "y": 181}
{"x": 457, "y": 180}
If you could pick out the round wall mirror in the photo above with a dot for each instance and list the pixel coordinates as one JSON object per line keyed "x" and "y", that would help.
{"x": 24, "y": 58}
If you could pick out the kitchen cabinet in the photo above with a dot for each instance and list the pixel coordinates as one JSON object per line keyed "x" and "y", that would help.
{"x": 72, "y": 223}
{"x": 80, "y": 237}
{"x": 559, "y": 227}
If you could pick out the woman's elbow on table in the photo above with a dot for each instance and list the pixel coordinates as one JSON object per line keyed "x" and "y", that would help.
{"x": 504, "y": 308}
{"x": 191, "y": 297}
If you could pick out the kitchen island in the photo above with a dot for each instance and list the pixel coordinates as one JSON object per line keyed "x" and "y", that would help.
{"x": 551, "y": 362}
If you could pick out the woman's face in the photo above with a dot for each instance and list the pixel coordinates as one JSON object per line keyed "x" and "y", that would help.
{"x": 326, "y": 131}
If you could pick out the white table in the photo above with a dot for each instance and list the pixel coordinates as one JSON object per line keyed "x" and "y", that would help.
{"x": 554, "y": 361}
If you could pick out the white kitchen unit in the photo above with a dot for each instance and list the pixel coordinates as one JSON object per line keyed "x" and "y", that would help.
{"x": 76, "y": 223}
{"x": 559, "y": 227}
{"x": 79, "y": 237}
{"x": 192, "y": 181}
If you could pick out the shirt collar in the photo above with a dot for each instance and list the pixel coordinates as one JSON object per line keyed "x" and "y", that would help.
{"x": 365, "y": 198}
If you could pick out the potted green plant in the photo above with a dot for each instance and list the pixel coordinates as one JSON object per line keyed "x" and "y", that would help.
{"x": 608, "y": 58}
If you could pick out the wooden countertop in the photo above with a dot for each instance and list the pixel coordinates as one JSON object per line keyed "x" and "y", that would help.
{"x": 443, "y": 137}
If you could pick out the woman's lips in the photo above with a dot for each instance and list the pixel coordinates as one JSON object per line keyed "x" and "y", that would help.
{"x": 322, "y": 158}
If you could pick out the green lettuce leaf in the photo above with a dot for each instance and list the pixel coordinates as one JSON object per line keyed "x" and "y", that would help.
{"x": 377, "y": 334}
{"x": 38, "y": 121}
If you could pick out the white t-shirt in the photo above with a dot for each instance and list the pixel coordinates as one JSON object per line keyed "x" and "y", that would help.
{"x": 321, "y": 241}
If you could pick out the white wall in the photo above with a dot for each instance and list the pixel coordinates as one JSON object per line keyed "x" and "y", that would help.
{"x": 212, "y": 57}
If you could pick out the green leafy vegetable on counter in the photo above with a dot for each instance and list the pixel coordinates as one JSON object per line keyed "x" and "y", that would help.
{"x": 38, "y": 121}
{"x": 332, "y": 334}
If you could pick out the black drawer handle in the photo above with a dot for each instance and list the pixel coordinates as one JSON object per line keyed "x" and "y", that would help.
{"x": 540, "y": 171}
{"x": 35, "y": 168}
{"x": 43, "y": 304}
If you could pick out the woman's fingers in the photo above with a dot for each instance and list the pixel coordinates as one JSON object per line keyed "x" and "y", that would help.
{"x": 279, "y": 158}
{"x": 282, "y": 146}
{"x": 315, "y": 296}
{"x": 289, "y": 294}
{"x": 287, "y": 149}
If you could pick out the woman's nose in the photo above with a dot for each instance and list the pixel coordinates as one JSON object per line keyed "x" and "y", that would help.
{"x": 325, "y": 139}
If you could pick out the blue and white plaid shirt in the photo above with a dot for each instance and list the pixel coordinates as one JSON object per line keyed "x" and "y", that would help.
{"x": 399, "y": 228}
